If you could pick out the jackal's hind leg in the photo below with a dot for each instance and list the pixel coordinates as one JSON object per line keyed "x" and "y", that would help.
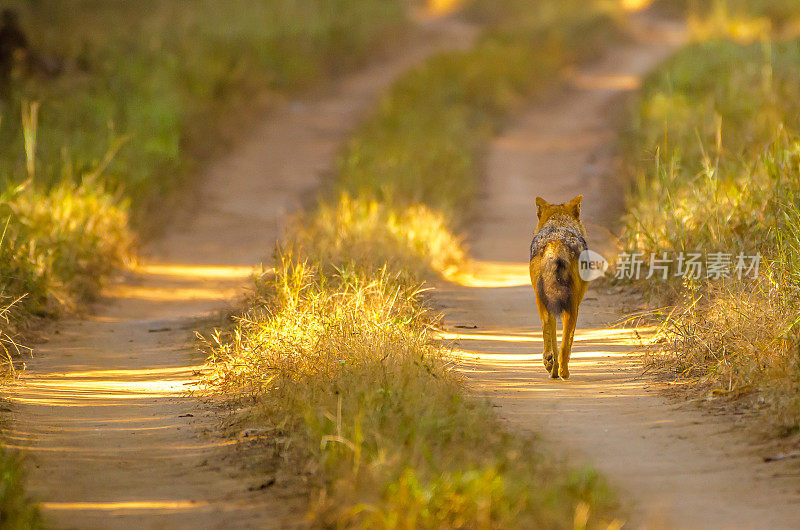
{"x": 550, "y": 345}
{"x": 569, "y": 320}
{"x": 548, "y": 337}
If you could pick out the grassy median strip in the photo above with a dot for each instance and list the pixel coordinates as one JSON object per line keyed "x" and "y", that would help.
{"x": 407, "y": 178}
{"x": 365, "y": 402}
{"x": 714, "y": 150}
{"x": 424, "y": 144}
{"x": 337, "y": 344}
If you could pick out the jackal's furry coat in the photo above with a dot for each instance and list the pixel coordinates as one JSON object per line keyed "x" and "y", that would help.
{"x": 558, "y": 242}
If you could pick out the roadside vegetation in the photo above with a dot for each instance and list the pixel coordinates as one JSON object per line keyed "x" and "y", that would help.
{"x": 736, "y": 17}
{"x": 113, "y": 116}
{"x": 713, "y": 152}
{"x": 104, "y": 114}
{"x": 16, "y": 510}
{"x": 337, "y": 344}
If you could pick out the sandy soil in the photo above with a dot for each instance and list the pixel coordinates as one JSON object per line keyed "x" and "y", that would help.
{"x": 102, "y": 410}
{"x": 675, "y": 466}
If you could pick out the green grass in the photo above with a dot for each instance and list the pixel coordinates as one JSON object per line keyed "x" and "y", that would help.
{"x": 16, "y": 510}
{"x": 337, "y": 346}
{"x": 716, "y": 127}
{"x": 163, "y": 73}
{"x": 729, "y": 13}
{"x": 713, "y": 150}
{"x": 424, "y": 144}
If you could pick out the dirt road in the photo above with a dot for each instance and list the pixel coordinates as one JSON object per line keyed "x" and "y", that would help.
{"x": 679, "y": 468}
{"x": 114, "y": 440}
{"x": 102, "y": 410}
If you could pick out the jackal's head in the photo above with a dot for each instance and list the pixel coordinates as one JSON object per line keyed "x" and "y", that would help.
{"x": 568, "y": 213}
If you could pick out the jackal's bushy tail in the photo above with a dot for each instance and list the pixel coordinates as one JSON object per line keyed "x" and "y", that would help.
{"x": 555, "y": 281}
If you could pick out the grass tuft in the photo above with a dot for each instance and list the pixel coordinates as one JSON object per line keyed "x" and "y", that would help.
{"x": 59, "y": 244}
{"x": 414, "y": 239}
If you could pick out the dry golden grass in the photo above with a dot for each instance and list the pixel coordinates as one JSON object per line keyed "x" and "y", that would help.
{"x": 714, "y": 151}
{"x": 345, "y": 368}
{"x": 737, "y": 340}
{"x": 414, "y": 239}
{"x": 58, "y": 245}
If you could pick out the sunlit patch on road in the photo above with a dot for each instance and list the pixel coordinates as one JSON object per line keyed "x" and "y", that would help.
{"x": 183, "y": 270}
{"x": 636, "y": 5}
{"x": 491, "y": 274}
{"x": 443, "y": 7}
{"x": 169, "y": 293}
{"x": 589, "y": 81}
{"x": 126, "y": 506}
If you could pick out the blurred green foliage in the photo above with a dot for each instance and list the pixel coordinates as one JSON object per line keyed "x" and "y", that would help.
{"x": 16, "y": 510}
{"x": 163, "y": 72}
{"x": 424, "y": 144}
{"x": 778, "y": 12}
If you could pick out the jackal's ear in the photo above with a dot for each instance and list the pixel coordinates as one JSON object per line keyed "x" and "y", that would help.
{"x": 575, "y": 206}
{"x": 540, "y": 203}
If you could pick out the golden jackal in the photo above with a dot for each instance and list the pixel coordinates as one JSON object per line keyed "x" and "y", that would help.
{"x": 557, "y": 244}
